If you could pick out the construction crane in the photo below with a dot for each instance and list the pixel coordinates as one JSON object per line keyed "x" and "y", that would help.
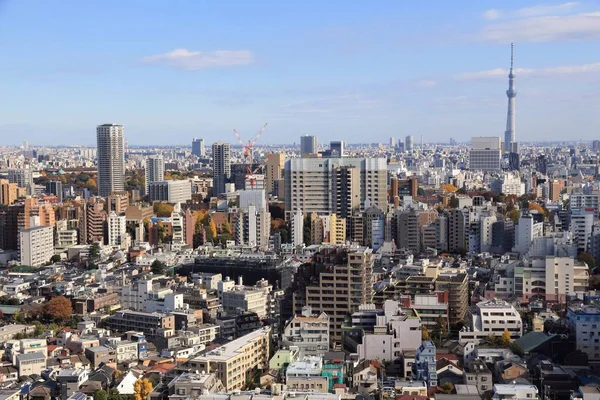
{"x": 247, "y": 152}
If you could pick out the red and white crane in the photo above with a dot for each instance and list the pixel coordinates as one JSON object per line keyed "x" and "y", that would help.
{"x": 247, "y": 152}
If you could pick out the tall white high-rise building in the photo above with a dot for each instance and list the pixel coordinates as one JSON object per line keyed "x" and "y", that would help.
{"x": 485, "y": 154}
{"x": 253, "y": 222}
{"x": 308, "y": 145}
{"x": 155, "y": 170}
{"x": 298, "y": 228}
{"x": 116, "y": 229}
{"x": 111, "y": 159}
{"x": 221, "y": 153}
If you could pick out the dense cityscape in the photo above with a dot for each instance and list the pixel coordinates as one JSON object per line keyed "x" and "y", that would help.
{"x": 235, "y": 269}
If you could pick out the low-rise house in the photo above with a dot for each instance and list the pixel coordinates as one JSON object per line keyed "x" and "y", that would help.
{"x": 69, "y": 381}
{"x": 514, "y": 392}
{"x": 365, "y": 377}
{"x": 479, "y": 375}
{"x": 448, "y": 372}
{"x": 100, "y": 355}
{"x": 192, "y": 385}
{"x": 30, "y": 363}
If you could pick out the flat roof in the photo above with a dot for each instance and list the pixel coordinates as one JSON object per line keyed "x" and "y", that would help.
{"x": 231, "y": 349}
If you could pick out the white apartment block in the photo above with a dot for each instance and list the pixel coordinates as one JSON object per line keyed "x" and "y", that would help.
{"x": 170, "y": 191}
{"x": 311, "y": 184}
{"x": 232, "y": 362}
{"x": 36, "y": 245}
{"x": 525, "y": 231}
{"x": 155, "y": 169}
{"x": 116, "y": 229}
{"x": 581, "y": 201}
{"x": 298, "y": 228}
{"x": 253, "y": 227}
{"x": 395, "y": 331}
{"x": 491, "y": 317}
{"x": 582, "y": 221}
{"x": 308, "y": 332}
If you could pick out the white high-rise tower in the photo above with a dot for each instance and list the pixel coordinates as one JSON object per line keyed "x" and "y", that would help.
{"x": 155, "y": 170}
{"x": 111, "y": 159}
{"x": 511, "y": 93}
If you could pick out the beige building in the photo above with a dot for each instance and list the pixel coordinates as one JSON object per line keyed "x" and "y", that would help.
{"x": 9, "y": 192}
{"x": 232, "y": 362}
{"x": 457, "y": 286}
{"x": 327, "y": 229}
{"x": 341, "y": 288}
{"x": 274, "y": 170}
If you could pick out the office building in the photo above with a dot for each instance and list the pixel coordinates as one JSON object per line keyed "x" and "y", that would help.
{"x": 111, "y": 159}
{"x": 409, "y": 144}
{"x": 170, "y": 191}
{"x": 155, "y": 169}
{"x": 274, "y": 171}
{"x": 334, "y": 185}
{"x": 36, "y": 245}
{"x": 336, "y": 148}
{"x": 116, "y": 229}
{"x": 233, "y": 361}
{"x": 22, "y": 177}
{"x": 55, "y": 188}
{"x": 198, "y": 147}
{"x": 221, "y": 154}
{"x": 308, "y": 145}
{"x": 485, "y": 154}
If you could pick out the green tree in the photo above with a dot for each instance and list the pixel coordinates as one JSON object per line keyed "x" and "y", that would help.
{"x": 447, "y": 388}
{"x": 158, "y": 267}
{"x": 94, "y": 254}
{"x": 588, "y": 259}
{"x": 101, "y": 395}
{"x": 55, "y": 259}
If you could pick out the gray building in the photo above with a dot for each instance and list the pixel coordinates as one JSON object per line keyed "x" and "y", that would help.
{"x": 409, "y": 143}
{"x": 308, "y": 145}
{"x": 321, "y": 185}
{"x": 221, "y": 153}
{"x": 198, "y": 147}
{"x": 485, "y": 154}
{"x": 111, "y": 159}
{"x": 155, "y": 169}
{"x": 337, "y": 148}
{"x": 55, "y": 188}
{"x": 23, "y": 177}
{"x": 170, "y": 191}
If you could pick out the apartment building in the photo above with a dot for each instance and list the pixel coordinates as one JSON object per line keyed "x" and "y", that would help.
{"x": 491, "y": 318}
{"x": 308, "y": 332}
{"x": 457, "y": 286}
{"x": 584, "y": 322}
{"x": 151, "y": 324}
{"x": 36, "y": 245}
{"x": 232, "y": 362}
{"x": 341, "y": 287}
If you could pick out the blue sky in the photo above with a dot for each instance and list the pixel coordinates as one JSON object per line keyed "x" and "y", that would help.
{"x": 358, "y": 71}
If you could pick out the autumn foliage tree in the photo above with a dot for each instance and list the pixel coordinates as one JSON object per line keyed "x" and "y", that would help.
{"x": 142, "y": 389}
{"x": 59, "y": 308}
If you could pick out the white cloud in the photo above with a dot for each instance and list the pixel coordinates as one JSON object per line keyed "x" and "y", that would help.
{"x": 545, "y": 29}
{"x": 196, "y": 60}
{"x": 550, "y": 71}
{"x": 425, "y": 83}
{"x": 529, "y": 12}
{"x": 492, "y": 14}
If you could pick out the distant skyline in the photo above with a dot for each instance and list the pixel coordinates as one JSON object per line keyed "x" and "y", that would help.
{"x": 172, "y": 71}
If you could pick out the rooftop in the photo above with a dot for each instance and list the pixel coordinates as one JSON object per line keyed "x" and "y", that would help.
{"x": 232, "y": 349}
